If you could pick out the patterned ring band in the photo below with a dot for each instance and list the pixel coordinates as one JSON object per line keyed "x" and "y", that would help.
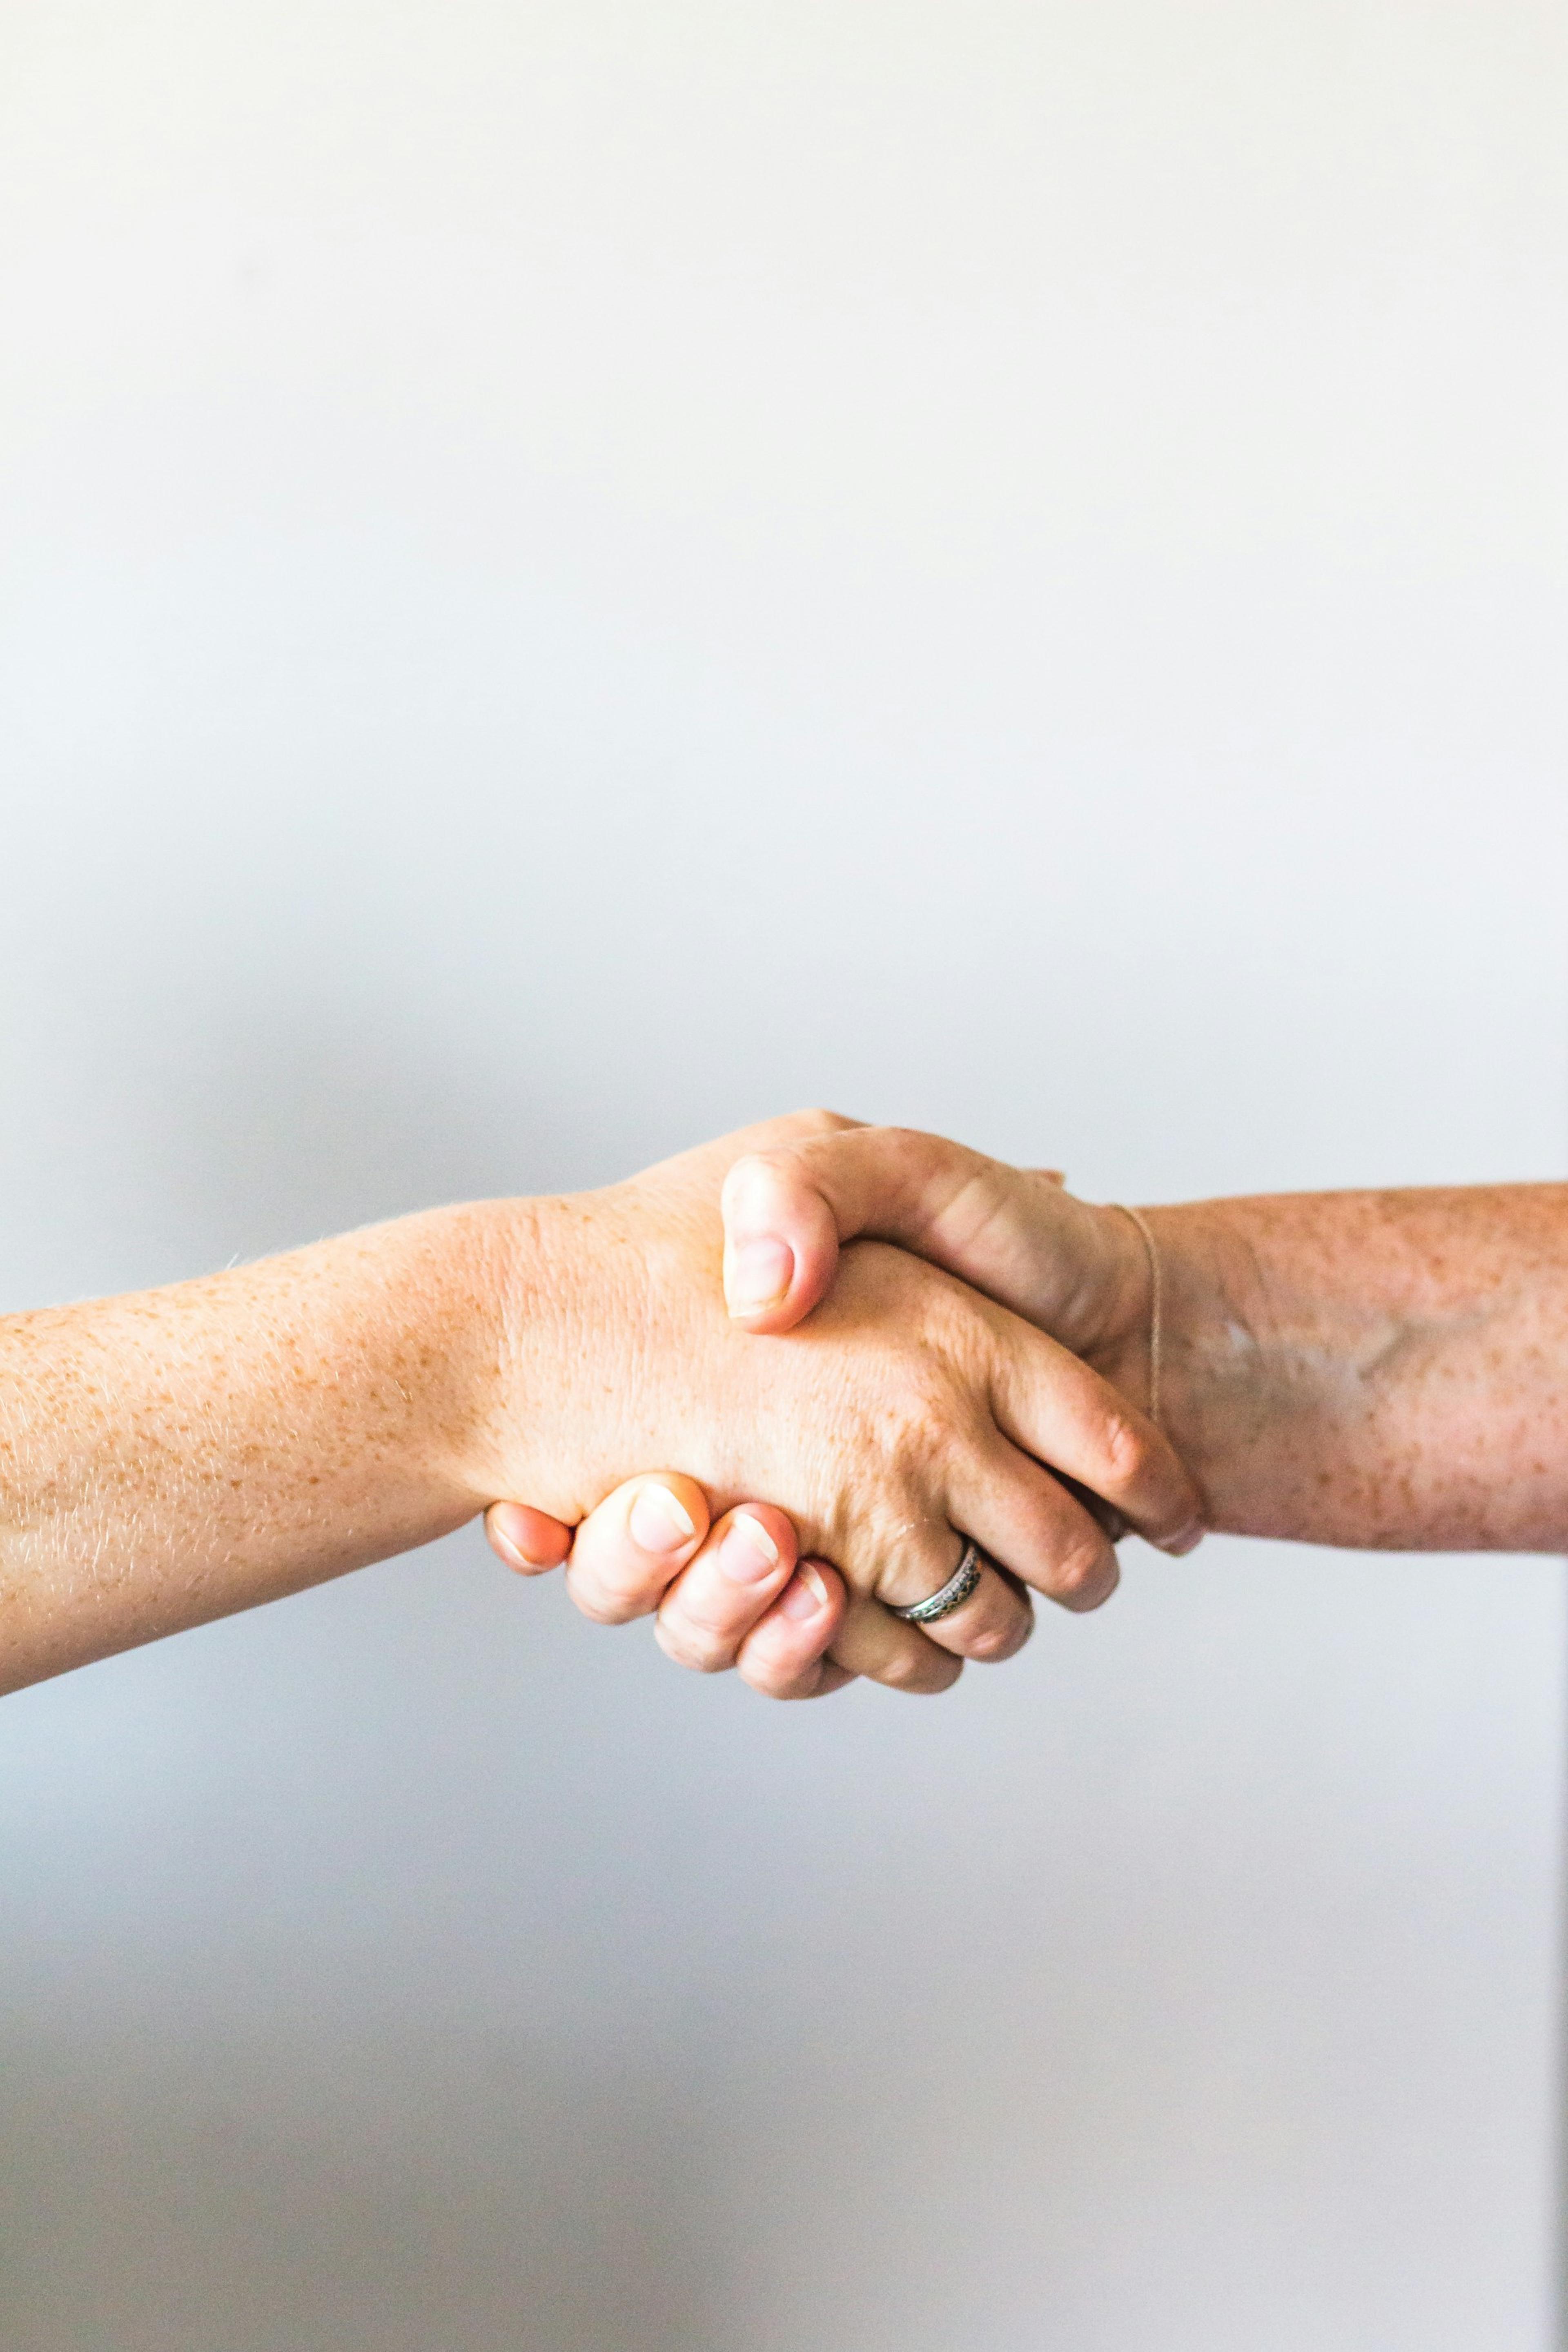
{"x": 953, "y": 1593}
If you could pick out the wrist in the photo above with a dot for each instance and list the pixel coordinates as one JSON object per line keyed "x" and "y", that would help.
{"x": 1208, "y": 1312}
{"x": 440, "y": 1286}
{"x": 554, "y": 1291}
{"x": 500, "y": 1319}
{"x": 1168, "y": 1286}
{"x": 1116, "y": 1335}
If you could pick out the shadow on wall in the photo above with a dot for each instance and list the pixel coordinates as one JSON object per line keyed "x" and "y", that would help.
{"x": 169, "y": 2202}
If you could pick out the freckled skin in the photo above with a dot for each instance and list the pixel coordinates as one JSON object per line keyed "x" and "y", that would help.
{"x": 1369, "y": 1369}
{"x": 1383, "y": 1369}
{"x": 175, "y": 1456}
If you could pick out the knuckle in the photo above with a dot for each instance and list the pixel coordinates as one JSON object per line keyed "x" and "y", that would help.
{"x": 691, "y": 1646}
{"x": 785, "y": 1688}
{"x": 604, "y": 1608}
{"x": 817, "y": 1121}
{"x": 800, "y": 1127}
{"x": 991, "y": 1643}
{"x": 769, "y": 1677}
{"x": 925, "y": 1415}
{"x": 1099, "y": 1593}
{"x": 630, "y": 1592}
{"x": 920, "y": 1673}
{"x": 1083, "y": 1573}
{"x": 1126, "y": 1449}
{"x": 755, "y": 1182}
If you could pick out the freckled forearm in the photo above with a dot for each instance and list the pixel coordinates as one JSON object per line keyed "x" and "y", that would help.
{"x": 1375, "y": 1369}
{"x": 175, "y": 1455}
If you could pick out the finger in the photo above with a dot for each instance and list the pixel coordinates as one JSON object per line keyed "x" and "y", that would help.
{"x": 737, "y": 1574}
{"x": 992, "y": 1623}
{"x": 529, "y": 1542}
{"x": 1053, "y": 1406}
{"x": 784, "y": 1655}
{"x": 627, "y": 1552}
{"x": 1012, "y": 1232}
{"x": 1027, "y": 1520}
{"x": 885, "y": 1649}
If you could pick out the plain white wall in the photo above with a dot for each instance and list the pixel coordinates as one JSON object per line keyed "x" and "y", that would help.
{"x": 573, "y": 575}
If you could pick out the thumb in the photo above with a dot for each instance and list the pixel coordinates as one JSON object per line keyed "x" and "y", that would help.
{"x": 1012, "y": 1232}
{"x": 781, "y": 1240}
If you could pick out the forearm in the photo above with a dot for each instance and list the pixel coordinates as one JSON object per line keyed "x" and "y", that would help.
{"x": 1377, "y": 1368}
{"x": 1373, "y": 1369}
{"x": 172, "y": 1456}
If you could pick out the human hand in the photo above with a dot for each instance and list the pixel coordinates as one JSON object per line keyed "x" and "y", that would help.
{"x": 725, "y": 1592}
{"x": 902, "y": 1422}
{"x": 1078, "y": 1271}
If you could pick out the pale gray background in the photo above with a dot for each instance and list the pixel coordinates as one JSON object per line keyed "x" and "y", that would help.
{"x": 573, "y": 575}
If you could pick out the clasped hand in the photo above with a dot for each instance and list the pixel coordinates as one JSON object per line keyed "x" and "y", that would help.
{"x": 905, "y": 1346}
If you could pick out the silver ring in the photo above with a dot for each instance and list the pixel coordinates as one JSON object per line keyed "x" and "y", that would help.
{"x": 953, "y": 1593}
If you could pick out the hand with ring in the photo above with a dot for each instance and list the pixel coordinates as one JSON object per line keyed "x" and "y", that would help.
{"x": 1007, "y": 1480}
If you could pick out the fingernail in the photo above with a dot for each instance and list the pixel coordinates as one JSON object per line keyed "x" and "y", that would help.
{"x": 748, "y": 1552}
{"x": 758, "y": 1275}
{"x": 658, "y": 1521}
{"x": 507, "y": 1544}
{"x": 804, "y": 1593}
{"x": 1188, "y": 1540}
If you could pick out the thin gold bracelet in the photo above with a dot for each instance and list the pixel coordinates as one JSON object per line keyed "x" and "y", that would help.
{"x": 1156, "y": 1306}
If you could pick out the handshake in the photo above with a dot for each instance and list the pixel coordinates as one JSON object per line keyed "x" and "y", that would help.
{"x": 942, "y": 1372}
{"x": 826, "y": 1400}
